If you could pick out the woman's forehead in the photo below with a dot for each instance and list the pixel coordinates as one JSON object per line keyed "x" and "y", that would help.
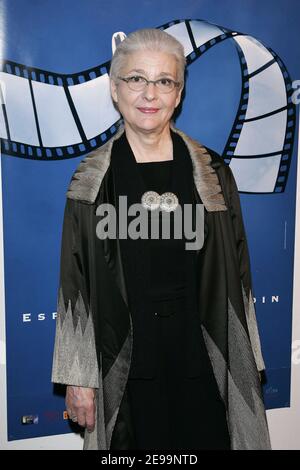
{"x": 147, "y": 61}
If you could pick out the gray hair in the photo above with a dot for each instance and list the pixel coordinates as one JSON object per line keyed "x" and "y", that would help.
{"x": 148, "y": 39}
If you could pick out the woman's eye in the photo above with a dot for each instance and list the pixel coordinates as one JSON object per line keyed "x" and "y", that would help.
{"x": 166, "y": 82}
{"x": 136, "y": 79}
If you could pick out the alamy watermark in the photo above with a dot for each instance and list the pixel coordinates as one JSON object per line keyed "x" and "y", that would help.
{"x": 186, "y": 221}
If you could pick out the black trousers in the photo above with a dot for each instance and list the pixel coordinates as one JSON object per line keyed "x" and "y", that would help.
{"x": 174, "y": 400}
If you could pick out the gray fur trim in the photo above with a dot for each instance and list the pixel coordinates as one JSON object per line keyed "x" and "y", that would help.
{"x": 88, "y": 177}
{"x": 205, "y": 177}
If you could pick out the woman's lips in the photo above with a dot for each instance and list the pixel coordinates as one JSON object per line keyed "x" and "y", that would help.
{"x": 148, "y": 110}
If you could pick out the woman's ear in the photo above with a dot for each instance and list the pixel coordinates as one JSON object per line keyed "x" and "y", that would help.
{"x": 178, "y": 99}
{"x": 113, "y": 90}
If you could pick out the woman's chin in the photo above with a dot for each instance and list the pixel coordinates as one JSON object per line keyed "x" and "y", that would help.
{"x": 150, "y": 125}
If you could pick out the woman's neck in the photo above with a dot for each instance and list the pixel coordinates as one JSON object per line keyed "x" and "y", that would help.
{"x": 150, "y": 147}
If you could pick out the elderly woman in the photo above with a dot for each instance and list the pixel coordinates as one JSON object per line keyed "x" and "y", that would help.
{"x": 156, "y": 342}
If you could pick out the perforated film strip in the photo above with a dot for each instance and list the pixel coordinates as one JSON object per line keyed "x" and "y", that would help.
{"x": 285, "y": 152}
{"x": 40, "y": 151}
{"x": 75, "y": 98}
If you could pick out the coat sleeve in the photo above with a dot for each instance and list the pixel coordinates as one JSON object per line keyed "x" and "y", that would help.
{"x": 244, "y": 265}
{"x": 74, "y": 358}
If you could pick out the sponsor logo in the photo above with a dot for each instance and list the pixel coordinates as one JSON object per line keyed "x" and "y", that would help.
{"x": 30, "y": 419}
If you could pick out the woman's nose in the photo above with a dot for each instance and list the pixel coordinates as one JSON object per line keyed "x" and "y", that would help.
{"x": 150, "y": 91}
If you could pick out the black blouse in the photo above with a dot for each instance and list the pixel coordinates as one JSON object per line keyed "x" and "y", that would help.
{"x": 167, "y": 256}
{"x": 160, "y": 274}
{"x": 158, "y": 266}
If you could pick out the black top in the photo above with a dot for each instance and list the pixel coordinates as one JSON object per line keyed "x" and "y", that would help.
{"x": 160, "y": 274}
{"x": 156, "y": 175}
{"x": 167, "y": 256}
{"x": 160, "y": 264}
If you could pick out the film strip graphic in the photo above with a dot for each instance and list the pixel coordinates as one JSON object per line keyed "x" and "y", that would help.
{"x": 47, "y": 116}
{"x": 262, "y": 136}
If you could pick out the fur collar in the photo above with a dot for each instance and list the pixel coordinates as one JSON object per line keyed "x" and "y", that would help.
{"x": 88, "y": 177}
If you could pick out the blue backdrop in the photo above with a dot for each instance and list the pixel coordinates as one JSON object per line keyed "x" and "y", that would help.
{"x": 56, "y": 37}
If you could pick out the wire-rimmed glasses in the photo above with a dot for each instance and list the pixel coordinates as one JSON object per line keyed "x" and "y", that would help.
{"x": 138, "y": 83}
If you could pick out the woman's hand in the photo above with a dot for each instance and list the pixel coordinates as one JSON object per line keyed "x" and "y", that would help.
{"x": 81, "y": 408}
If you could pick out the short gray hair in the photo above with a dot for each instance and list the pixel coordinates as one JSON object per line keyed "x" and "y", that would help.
{"x": 148, "y": 39}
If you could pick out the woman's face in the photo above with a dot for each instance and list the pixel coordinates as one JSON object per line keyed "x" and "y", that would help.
{"x": 148, "y": 110}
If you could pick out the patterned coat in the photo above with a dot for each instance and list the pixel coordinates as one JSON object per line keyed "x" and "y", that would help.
{"x": 94, "y": 332}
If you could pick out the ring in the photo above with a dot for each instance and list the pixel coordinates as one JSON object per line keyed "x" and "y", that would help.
{"x": 74, "y": 419}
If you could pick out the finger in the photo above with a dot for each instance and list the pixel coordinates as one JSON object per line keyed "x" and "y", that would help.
{"x": 81, "y": 418}
{"x": 91, "y": 417}
{"x": 90, "y": 420}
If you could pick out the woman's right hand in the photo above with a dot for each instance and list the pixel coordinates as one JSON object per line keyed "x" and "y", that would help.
{"x": 81, "y": 407}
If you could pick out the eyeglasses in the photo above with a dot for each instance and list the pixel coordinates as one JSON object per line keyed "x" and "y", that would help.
{"x": 137, "y": 83}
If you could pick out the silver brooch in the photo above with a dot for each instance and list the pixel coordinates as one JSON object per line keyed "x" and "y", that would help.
{"x": 168, "y": 202}
{"x": 151, "y": 200}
